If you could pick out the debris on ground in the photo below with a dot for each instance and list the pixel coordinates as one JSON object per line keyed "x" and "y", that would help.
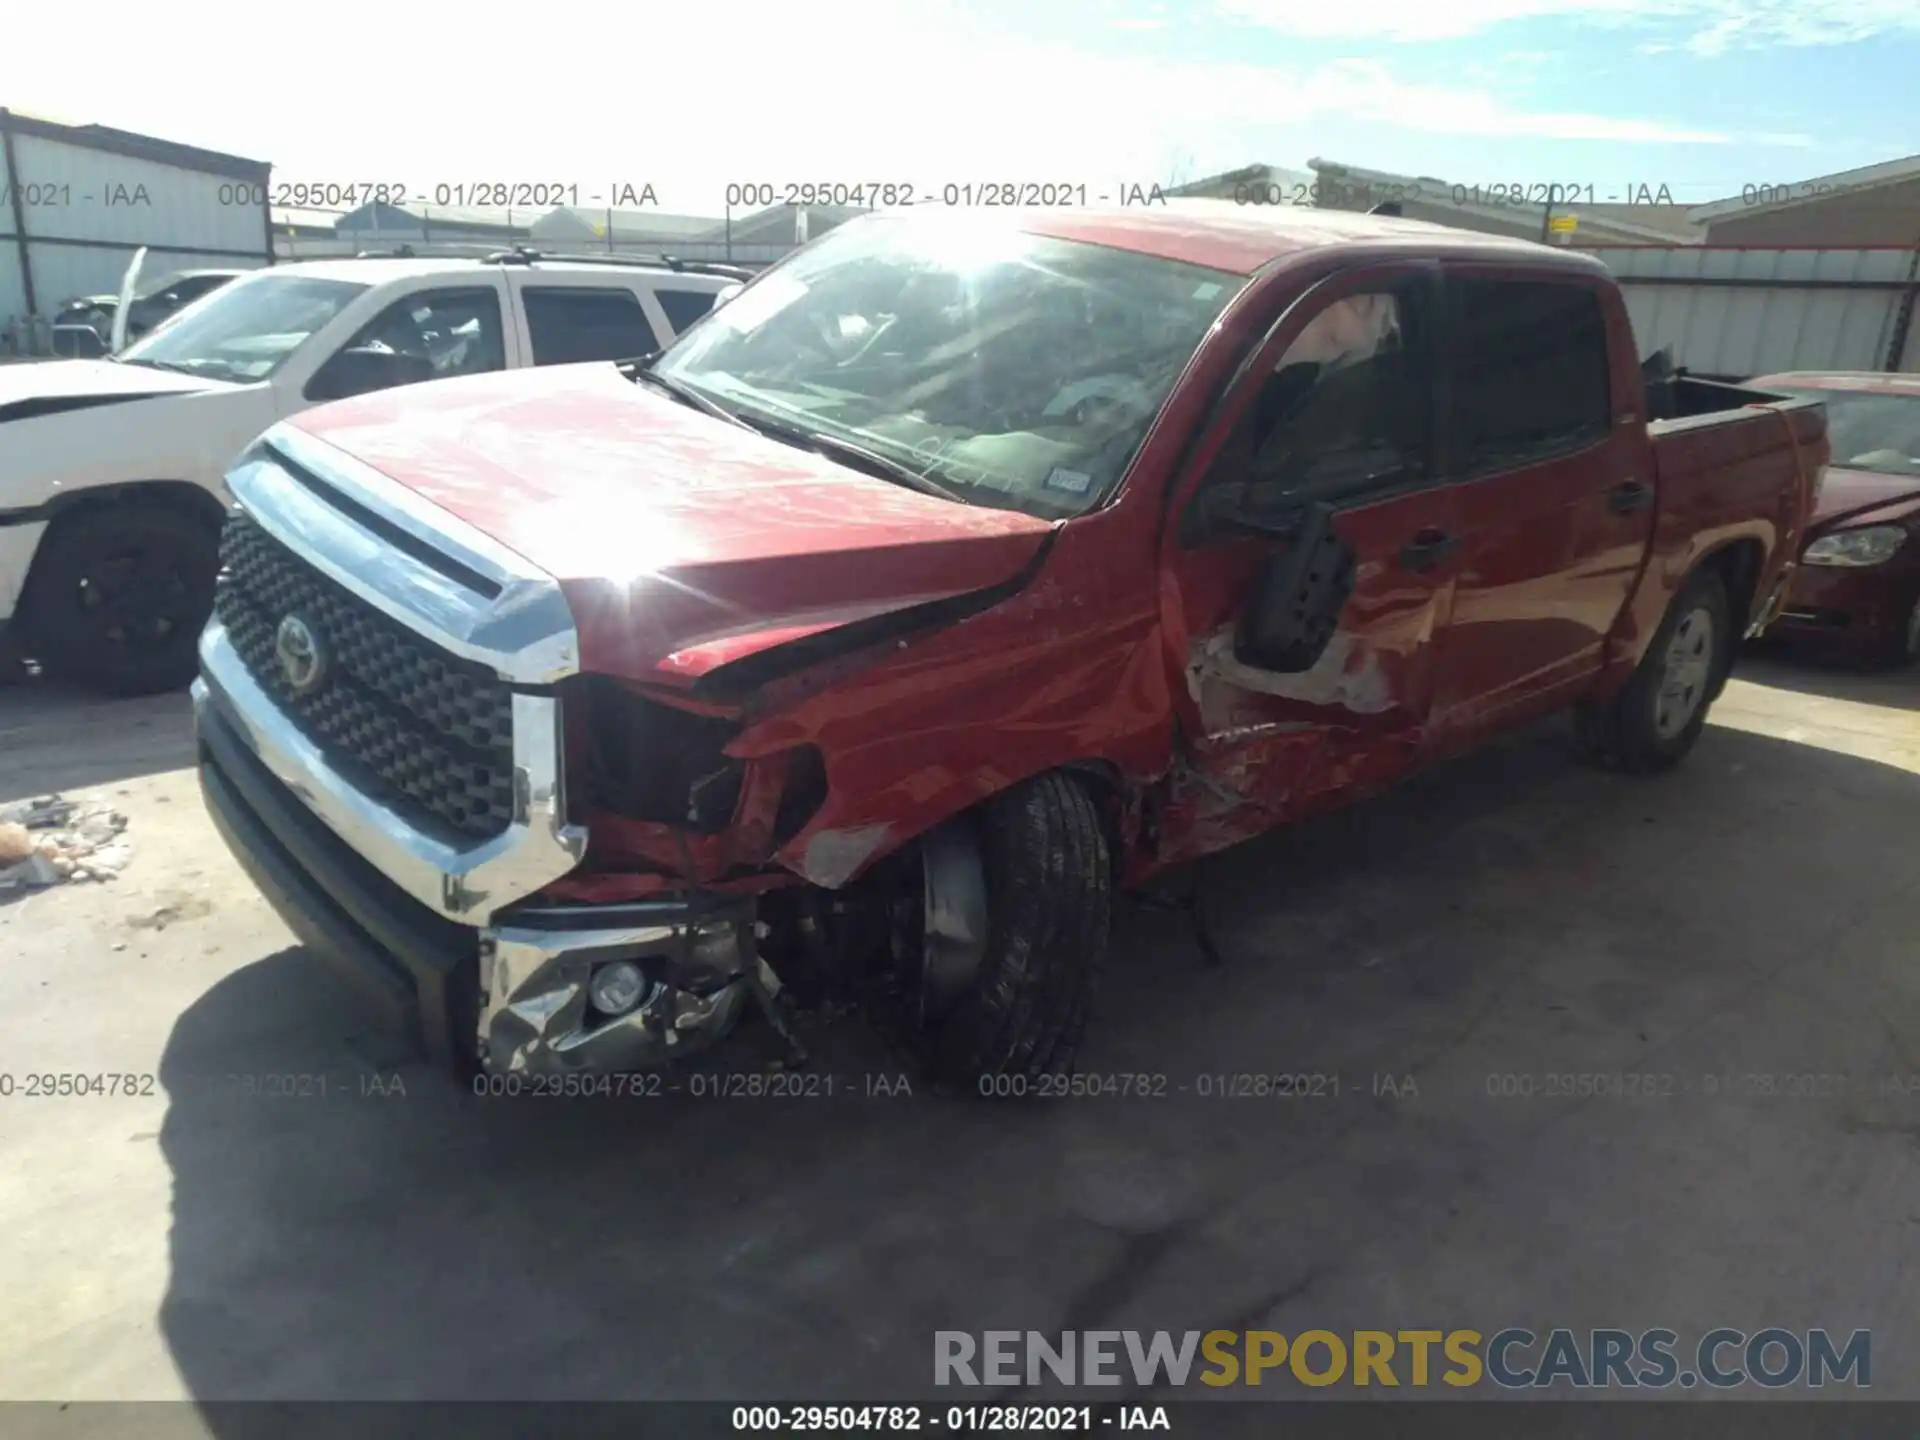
{"x": 51, "y": 840}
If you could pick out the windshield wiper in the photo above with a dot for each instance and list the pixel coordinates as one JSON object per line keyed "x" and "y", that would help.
{"x": 175, "y": 366}
{"x": 872, "y": 461}
{"x": 684, "y": 393}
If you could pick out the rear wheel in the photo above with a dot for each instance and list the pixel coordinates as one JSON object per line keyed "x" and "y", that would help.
{"x": 1657, "y": 717}
{"x": 1001, "y": 944}
{"x": 118, "y": 595}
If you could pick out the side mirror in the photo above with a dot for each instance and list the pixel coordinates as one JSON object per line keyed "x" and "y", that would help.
{"x": 360, "y": 372}
{"x": 1295, "y": 604}
{"x": 1244, "y": 508}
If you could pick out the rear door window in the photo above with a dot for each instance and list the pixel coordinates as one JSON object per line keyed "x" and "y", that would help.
{"x": 683, "y": 307}
{"x": 1529, "y": 373}
{"x": 572, "y": 324}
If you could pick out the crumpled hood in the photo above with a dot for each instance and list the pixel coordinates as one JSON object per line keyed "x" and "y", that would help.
{"x": 682, "y": 542}
{"x": 1850, "y": 489}
{"x": 64, "y": 379}
{"x": 48, "y": 379}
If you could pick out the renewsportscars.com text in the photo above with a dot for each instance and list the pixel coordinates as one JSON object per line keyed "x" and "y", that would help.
{"x": 1513, "y": 1358}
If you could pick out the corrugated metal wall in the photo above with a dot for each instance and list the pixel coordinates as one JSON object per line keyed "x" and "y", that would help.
{"x": 1741, "y": 312}
{"x": 85, "y": 211}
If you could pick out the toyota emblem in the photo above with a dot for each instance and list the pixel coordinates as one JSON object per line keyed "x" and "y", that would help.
{"x": 299, "y": 653}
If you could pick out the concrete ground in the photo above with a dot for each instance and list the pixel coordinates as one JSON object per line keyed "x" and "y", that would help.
{"x": 1510, "y": 915}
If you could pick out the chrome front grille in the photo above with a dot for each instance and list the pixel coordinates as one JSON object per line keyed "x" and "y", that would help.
{"x": 427, "y": 733}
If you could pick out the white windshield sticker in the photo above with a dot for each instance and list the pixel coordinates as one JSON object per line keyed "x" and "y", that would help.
{"x": 1074, "y": 482}
{"x": 1206, "y": 292}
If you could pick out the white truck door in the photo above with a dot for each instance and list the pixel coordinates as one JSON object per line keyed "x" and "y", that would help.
{"x": 432, "y": 328}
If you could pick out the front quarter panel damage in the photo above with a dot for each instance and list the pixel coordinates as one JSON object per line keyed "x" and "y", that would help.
{"x": 1066, "y": 671}
{"x": 911, "y": 727}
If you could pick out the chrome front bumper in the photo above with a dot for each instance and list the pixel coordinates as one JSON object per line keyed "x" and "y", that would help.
{"x": 510, "y": 995}
{"x": 467, "y": 885}
{"x": 434, "y": 924}
{"x": 534, "y": 969}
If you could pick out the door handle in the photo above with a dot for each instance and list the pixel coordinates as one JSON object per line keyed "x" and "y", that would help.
{"x": 1633, "y": 495}
{"x": 1427, "y": 549}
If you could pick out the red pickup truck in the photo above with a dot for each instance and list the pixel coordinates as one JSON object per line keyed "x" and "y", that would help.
{"x": 954, "y": 575}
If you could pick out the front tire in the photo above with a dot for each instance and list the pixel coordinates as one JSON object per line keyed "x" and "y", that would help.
{"x": 1048, "y": 875}
{"x": 118, "y": 596}
{"x": 1656, "y": 719}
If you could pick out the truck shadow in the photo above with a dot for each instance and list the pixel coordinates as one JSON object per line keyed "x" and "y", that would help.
{"x": 369, "y": 1243}
{"x": 54, "y": 737}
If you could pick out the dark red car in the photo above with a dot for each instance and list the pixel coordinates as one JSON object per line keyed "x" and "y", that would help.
{"x": 1858, "y": 588}
{"x": 954, "y": 575}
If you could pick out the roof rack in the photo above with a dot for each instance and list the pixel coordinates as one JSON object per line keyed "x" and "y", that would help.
{"x": 437, "y": 250}
{"x": 521, "y": 255}
{"x": 490, "y": 253}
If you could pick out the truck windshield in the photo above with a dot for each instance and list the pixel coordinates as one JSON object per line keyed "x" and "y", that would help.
{"x": 1013, "y": 370}
{"x": 1870, "y": 430}
{"x": 245, "y": 330}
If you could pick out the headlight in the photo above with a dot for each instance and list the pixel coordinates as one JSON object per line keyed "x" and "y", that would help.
{"x": 1872, "y": 546}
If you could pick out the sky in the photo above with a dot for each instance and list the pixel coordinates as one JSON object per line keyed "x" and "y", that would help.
{"x": 1702, "y": 97}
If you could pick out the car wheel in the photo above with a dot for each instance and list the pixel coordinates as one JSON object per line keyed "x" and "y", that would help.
{"x": 117, "y": 597}
{"x": 1657, "y": 717}
{"x": 1007, "y": 936}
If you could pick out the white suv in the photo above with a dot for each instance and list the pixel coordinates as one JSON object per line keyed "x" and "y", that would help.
{"x": 110, "y": 470}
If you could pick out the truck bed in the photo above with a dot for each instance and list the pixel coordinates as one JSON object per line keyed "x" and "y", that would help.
{"x": 1733, "y": 467}
{"x": 1713, "y": 427}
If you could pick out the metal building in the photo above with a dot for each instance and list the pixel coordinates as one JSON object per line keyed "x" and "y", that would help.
{"x": 77, "y": 200}
{"x": 1733, "y": 312}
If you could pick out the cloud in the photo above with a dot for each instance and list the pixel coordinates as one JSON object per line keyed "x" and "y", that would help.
{"x": 1368, "y": 90}
{"x": 1705, "y": 27}
{"x": 963, "y": 100}
{"x": 1412, "y": 20}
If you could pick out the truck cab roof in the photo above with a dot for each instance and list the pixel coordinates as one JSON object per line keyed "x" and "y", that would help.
{"x": 1242, "y": 239}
